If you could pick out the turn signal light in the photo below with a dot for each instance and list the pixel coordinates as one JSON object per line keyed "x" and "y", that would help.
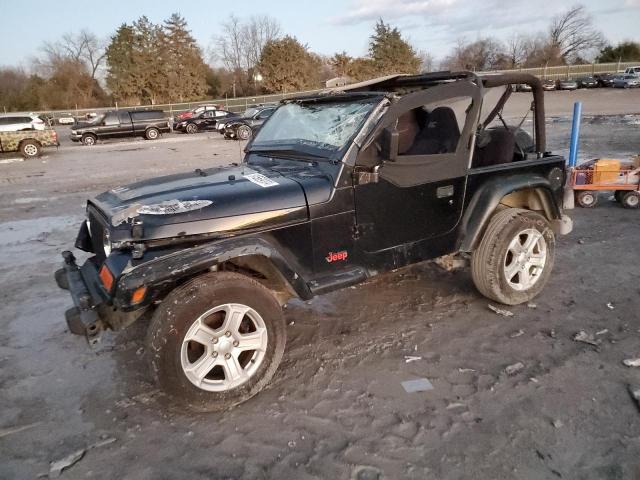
{"x": 138, "y": 295}
{"x": 106, "y": 277}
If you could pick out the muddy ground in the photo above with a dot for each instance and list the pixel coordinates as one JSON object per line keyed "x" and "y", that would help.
{"x": 336, "y": 408}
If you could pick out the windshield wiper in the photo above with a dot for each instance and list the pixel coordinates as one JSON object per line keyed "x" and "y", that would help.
{"x": 287, "y": 154}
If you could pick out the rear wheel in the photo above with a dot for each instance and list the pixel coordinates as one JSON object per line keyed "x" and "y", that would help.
{"x": 630, "y": 200}
{"x": 191, "y": 128}
{"x": 618, "y": 195}
{"x": 30, "y": 148}
{"x": 216, "y": 341}
{"x": 515, "y": 257}
{"x": 587, "y": 198}
{"x": 151, "y": 133}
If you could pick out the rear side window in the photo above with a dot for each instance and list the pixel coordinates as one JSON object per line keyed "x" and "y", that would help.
{"x": 124, "y": 117}
{"x": 147, "y": 115}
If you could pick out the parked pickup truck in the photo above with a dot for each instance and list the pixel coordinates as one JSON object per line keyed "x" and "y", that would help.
{"x": 28, "y": 142}
{"x": 121, "y": 123}
{"x": 335, "y": 188}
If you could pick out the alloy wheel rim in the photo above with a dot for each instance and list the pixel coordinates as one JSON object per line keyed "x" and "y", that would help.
{"x": 224, "y": 347}
{"x": 243, "y": 133}
{"x": 153, "y": 134}
{"x": 525, "y": 259}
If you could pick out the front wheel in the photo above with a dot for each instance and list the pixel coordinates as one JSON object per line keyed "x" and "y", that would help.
{"x": 216, "y": 341}
{"x": 89, "y": 140}
{"x": 244, "y": 132}
{"x": 587, "y": 198}
{"x": 515, "y": 257}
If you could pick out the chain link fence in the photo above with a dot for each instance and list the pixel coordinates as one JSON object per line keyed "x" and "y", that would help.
{"x": 241, "y": 104}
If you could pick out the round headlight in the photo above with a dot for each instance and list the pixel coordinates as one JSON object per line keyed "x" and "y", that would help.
{"x": 106, "y": 243}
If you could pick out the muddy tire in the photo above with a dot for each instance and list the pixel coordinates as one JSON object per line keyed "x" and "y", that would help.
{"x": 30, "y": 149}
{"x": 515, "y": 257}
{"x": 216, "y": 341}
{"x": 630, "y": 200}
{"x": 89, "y": 139}
{"x": 152, "y": 134}
{"x": 587, "y": 198}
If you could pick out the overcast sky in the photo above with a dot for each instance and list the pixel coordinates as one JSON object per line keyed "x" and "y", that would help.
{"x": 326, "y": 26}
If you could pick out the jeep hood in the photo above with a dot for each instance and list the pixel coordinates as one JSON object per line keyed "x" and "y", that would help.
{"x": 215, "y": 200}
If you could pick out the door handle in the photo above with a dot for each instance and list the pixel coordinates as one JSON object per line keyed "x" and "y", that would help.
{"x": 445, "y": 192}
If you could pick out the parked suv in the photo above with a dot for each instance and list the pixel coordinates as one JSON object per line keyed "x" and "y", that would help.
{"x": 633, "y": 71}
{"x": 121, "y": 123}
{"x": 335, "y": 188}
{"x": 16, "y": 122}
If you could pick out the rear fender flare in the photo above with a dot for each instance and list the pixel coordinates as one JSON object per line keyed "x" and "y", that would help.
{"x": 487, "y": 198}
{"x": 164, "y": 272}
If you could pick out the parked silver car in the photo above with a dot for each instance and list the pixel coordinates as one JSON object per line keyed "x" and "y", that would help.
{"x": 626, "y": 81}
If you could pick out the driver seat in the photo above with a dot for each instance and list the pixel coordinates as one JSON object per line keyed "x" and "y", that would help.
{"x": 440, "y": 133}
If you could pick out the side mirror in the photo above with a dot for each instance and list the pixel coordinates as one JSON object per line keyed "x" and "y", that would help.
{"x": 390, "y": 144}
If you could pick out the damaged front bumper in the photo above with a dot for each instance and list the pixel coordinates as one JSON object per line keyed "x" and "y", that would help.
{"x": 84, "y": 286}
{"x": 93, "y": 311}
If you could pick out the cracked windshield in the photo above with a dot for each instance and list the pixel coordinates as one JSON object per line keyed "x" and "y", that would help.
{"x": 325, "y": 126}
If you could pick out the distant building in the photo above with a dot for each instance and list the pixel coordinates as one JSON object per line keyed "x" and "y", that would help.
{"x": 337, "y": 82}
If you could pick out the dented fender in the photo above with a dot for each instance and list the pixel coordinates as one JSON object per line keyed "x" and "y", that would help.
{"x": 163, "y": 273}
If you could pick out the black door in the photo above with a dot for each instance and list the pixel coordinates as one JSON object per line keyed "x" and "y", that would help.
{"x": 421, "y": 158}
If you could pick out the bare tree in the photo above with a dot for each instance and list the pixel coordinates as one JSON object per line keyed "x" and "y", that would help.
{"x": 259, "y": 30}
{"x": 573, "y": 32}
{"x": 516, "y": 50}
{"x": 426, "y": 61}
{"x": 241, "y": 44}
{"x": 84, "y": 48}
{"x": 483, "y": 54}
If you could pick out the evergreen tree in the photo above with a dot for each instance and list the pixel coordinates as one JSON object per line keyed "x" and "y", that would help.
{"x": 390, "y": 52}
{"x": 120, "y": 64}
{"x": 287, "y": 66}
{"x": 185, "y": 69}
{"x": 624, "y": 52}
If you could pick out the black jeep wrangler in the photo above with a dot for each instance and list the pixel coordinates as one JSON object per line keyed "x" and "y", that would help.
{"x": 334, "y": 189}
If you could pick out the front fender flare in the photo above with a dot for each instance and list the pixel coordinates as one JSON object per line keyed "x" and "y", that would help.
{"x": 163, "y": 272}
{"x": 487, "y": 198}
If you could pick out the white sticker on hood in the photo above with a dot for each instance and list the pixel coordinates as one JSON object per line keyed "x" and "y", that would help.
{"x": 261, "y": 180}
{"x": 172, "y": 207}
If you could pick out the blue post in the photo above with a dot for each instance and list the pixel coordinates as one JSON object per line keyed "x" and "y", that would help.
{"x": 575, "y": 134}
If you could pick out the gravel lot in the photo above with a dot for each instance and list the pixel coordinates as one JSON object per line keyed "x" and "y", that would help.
{"x": 335, "y": 408}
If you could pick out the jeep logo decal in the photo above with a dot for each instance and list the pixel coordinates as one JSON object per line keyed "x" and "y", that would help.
{"x": 336, "y": 256}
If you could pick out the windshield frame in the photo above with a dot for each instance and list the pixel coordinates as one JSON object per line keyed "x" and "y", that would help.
{"x": 305, "y": 147}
